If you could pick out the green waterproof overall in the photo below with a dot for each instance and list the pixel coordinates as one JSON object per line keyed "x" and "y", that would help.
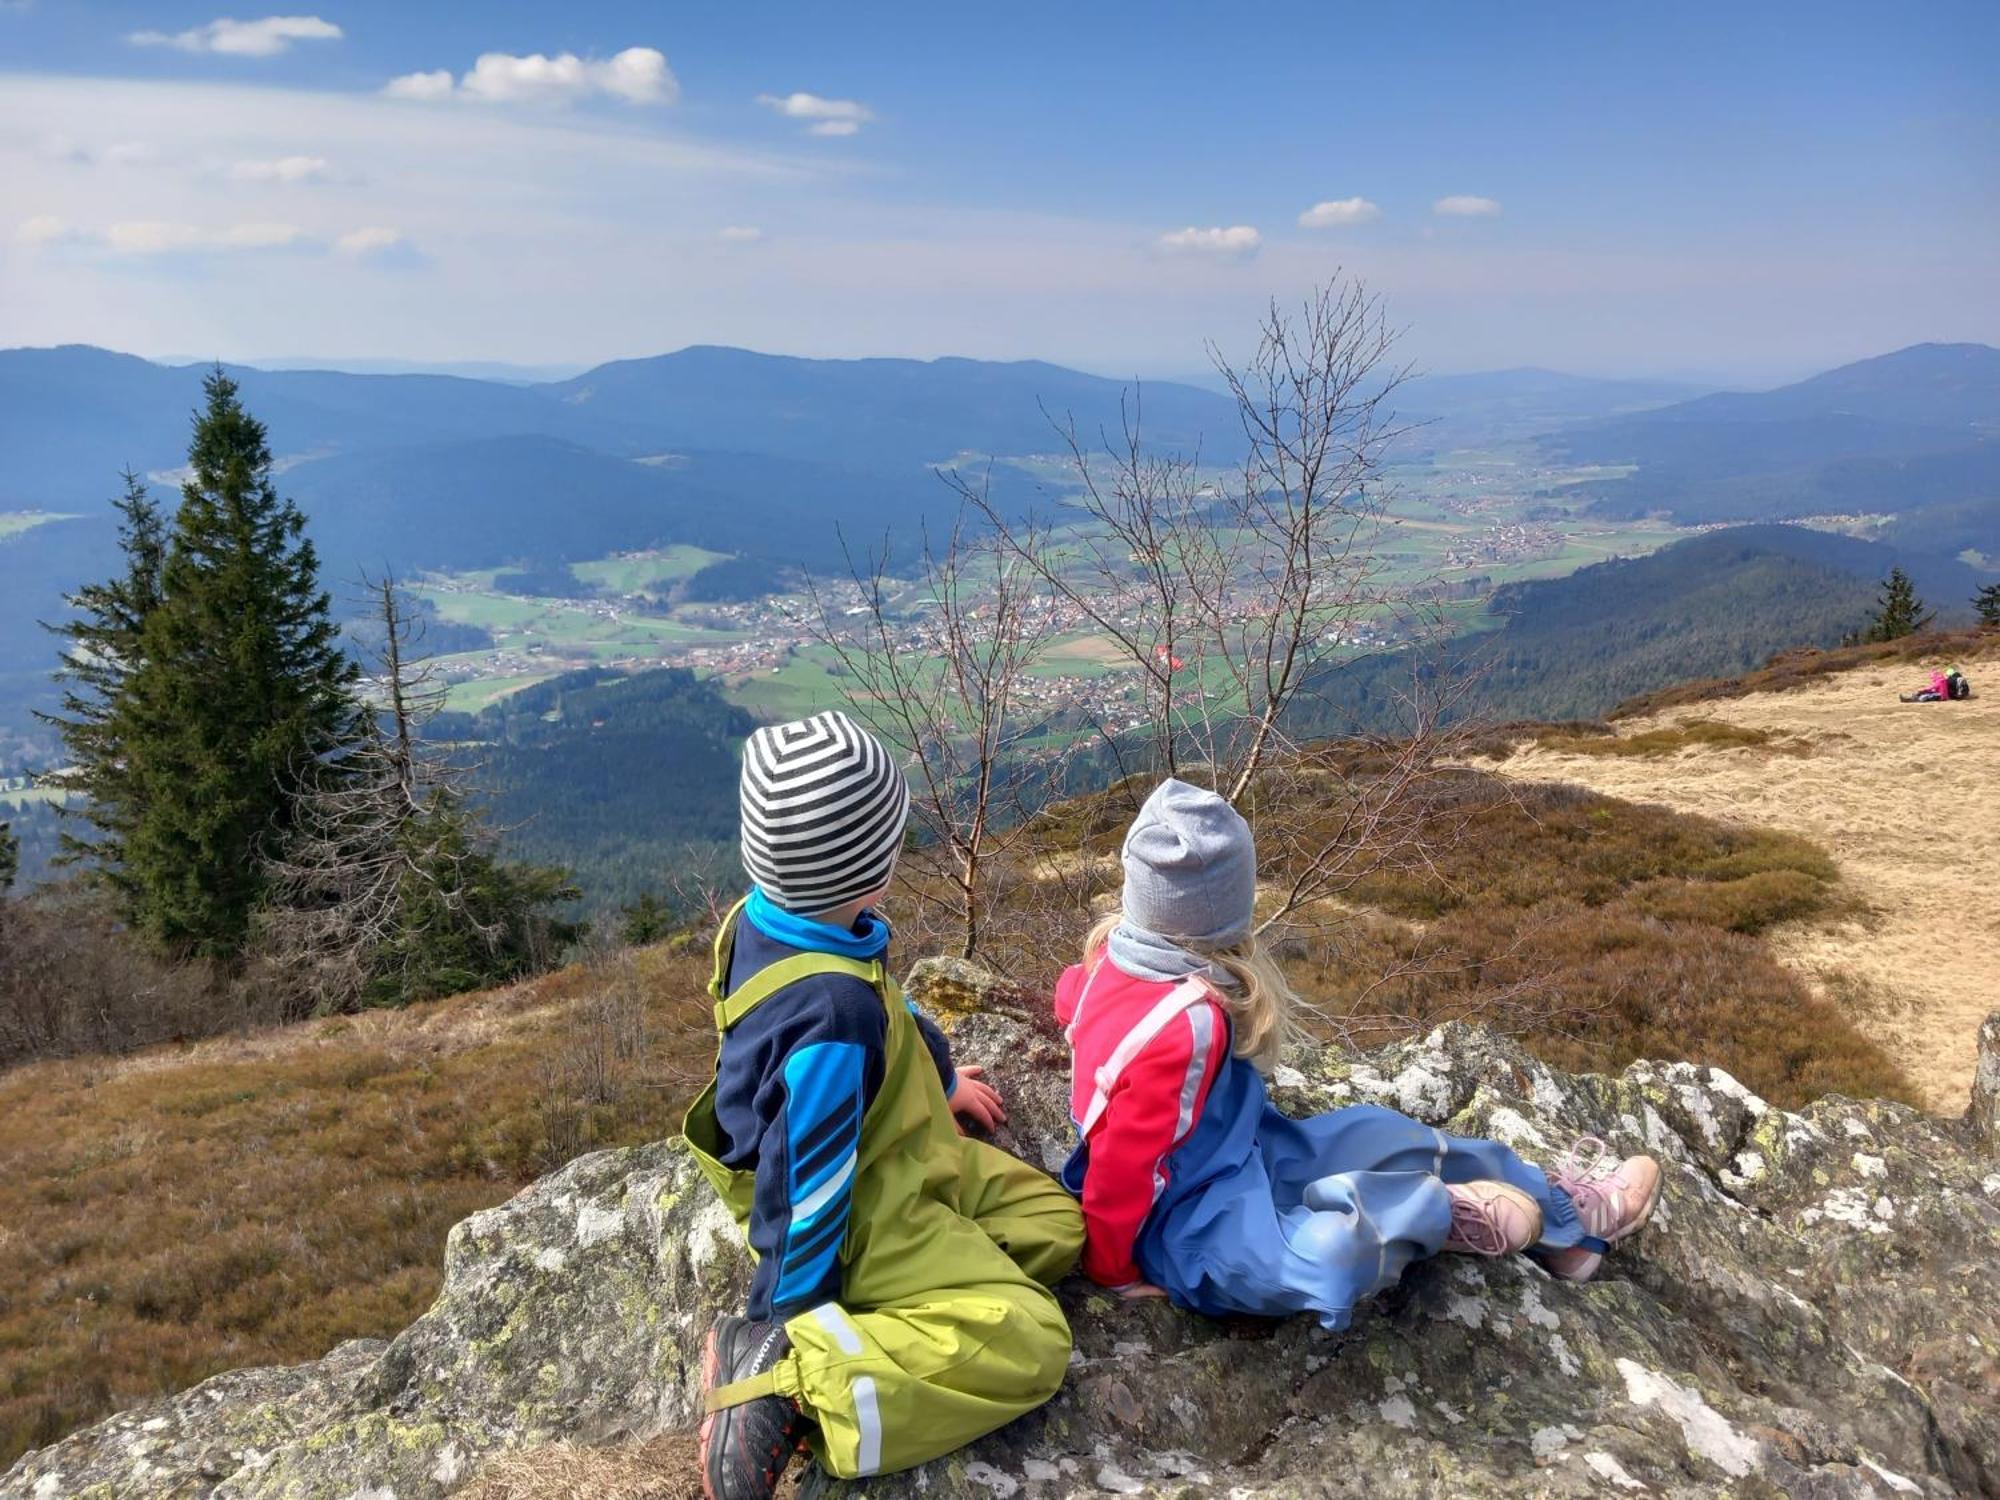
{"x": 945, "y": 1328}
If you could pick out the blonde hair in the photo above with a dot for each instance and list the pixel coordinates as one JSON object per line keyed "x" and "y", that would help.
{"x": 1259, "y": 998}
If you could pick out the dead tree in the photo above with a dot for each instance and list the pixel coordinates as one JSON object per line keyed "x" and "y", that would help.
{"x": 941, "y": 666}
{"x": 388, "y": 889}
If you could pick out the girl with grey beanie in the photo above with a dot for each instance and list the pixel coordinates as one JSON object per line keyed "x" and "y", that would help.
{"x": 1196, "y": 1188}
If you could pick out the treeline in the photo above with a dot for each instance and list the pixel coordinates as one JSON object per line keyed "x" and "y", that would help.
{"x": 1712, "y": 606}
{"x": 630, "y": 781}
{"x": 252, "y": 817}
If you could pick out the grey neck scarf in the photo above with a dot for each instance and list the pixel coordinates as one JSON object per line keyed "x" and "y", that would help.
{"x": 1147, "y": 955}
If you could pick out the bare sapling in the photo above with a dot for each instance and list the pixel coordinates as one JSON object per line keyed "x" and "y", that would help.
{"x": 1231, "y": 594}
{"x": 941, "y": 666}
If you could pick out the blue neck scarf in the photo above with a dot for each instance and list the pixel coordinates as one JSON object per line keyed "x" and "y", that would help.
{"x": 868, "y": 939}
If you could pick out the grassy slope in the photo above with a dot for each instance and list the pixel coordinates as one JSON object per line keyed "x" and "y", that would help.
{"x": 257, "y": 1200}
{"x": 189, "y": 1210}
{"x": 1898, "y": 793}
{"x": 1790, "y": 669}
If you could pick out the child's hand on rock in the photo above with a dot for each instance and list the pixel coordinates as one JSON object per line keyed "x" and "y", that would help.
{"x": 977, "y": 1100}
{"x": 1140, "y": 1289}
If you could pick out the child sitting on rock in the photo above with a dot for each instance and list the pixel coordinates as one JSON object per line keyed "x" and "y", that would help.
{"x": 1196, "y": 1188}
{"x": 900, "y": 1305}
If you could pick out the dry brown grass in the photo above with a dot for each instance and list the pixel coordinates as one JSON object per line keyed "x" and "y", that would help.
{"x": 664, "y": 1468}
{"x": 257, "y": 1200}
{"x": 1599, "y": 931}
{"x": 1672, "y": 739}
{"x": 1802, "y": 667}
{"x": 1901, "y": 795}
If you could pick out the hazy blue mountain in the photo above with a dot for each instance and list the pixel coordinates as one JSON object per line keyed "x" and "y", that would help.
{"x": 1953, "y": 386}
{"x": 72, "y": 417}
{"x": 1496, "y": 406}
{"x": 535, "y": 499}
{"x": 1894, "y": 434}
{"x": 879, "y": 413}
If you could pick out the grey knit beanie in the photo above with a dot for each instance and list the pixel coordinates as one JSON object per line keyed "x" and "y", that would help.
{"x": 824, "y": 806}
{"x": 1190, "y": 867}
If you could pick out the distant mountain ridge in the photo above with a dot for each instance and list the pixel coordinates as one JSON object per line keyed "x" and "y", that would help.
{"x": 1898, "y": 434}
{"x": 72, "y": 416}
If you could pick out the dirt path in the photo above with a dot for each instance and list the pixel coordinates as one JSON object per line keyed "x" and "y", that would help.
{"x": 1907, "y": 799}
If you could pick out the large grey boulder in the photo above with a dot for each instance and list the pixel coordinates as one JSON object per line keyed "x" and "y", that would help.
{"x": 1815, "y": 1312}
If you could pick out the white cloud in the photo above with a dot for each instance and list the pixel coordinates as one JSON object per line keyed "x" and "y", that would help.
{"x": 1238, "y": 242}
{"x": 166, "y": 237}
{"x": 1466, "y": 206}
{"x": 42, "y": 229}
{"x": 372, "y": 240}
{"x": 280, "y": 169}
{"x": 828, "y": 116}
{"x": 425, "y": 88}
{"x": 638, "y": 75}
{"x": 739, "y": 234}
{"x": 265, "y": 38}
{"x": 1337, "y": 213}
{"x": 260, "y": 236}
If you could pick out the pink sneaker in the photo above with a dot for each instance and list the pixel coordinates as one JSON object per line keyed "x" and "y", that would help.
{"x": 1613, "y": 1199}
{"x": 1491, "y": 1218}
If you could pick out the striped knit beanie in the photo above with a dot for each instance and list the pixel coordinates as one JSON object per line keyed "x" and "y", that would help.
{"x": 823, "y": 812}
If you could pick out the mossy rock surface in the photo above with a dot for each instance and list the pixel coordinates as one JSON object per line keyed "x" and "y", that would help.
{"x": 1815, "y": 1312}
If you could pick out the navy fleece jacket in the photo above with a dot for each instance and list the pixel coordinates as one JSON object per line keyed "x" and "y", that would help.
{"x": 794, "y": 1080}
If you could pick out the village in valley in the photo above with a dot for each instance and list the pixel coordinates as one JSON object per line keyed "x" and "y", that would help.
{"x": 1458, "y": 527}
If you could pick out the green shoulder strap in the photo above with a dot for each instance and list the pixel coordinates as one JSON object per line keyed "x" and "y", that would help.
{"x": 731, "y": 1008}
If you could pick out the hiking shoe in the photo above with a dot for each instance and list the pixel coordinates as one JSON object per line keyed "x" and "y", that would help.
{"x": 1613, "y": 1199}
{"x": 746, "y": 1449}
{"x": 1491, "y": 1218}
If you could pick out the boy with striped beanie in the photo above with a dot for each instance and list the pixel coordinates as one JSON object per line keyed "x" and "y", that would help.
{"x": 900, "y": 1305}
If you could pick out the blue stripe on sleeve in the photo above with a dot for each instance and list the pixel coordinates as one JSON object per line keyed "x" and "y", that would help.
{"x": 823, "y": 1110}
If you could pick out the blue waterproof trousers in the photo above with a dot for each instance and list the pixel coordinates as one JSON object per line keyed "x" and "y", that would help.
{"x": 1267, "y": 1215}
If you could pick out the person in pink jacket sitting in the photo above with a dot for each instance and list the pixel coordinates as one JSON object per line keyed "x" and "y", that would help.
{"x": 1195, "y": 1187}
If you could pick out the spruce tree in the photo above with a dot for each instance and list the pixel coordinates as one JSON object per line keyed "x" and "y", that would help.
{"x": 10, "y": 858}
{"x": 239, "y": 688}
{"x": 103, "y": 645}
{"x": 1987, "y": 602}
{"x": 1900, "y": 613}
{"x": 647, "y": 920}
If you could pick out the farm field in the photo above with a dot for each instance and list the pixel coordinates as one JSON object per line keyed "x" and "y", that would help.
{"x": 1487, "y": 517}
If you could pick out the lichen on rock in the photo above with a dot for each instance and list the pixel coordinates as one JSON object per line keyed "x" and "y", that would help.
{"x": 1815, "y": 1311}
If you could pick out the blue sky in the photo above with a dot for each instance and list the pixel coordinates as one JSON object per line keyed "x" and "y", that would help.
{"x": 1734, "y": 192}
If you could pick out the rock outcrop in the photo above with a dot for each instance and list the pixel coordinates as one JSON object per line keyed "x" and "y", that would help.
{"x": 1816, "y": 1312}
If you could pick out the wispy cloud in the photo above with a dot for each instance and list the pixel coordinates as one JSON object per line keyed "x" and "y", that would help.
{"x": 165, "y": 237}
{"x": 265, "y": 38}
{"x": 157, "y": 237}
{"x": 1466, "y": 206}
{"x": 280, "y": 169}
{"x": 826, "y": 116}
{"x": 372, "y": 240}
{"x": 638, "y": 75}
{"x": 43, "y": 229}
{"x": 739, "y": 234}
{"x": 1237, "y": 242}
{"x": 1338, "y": 213}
